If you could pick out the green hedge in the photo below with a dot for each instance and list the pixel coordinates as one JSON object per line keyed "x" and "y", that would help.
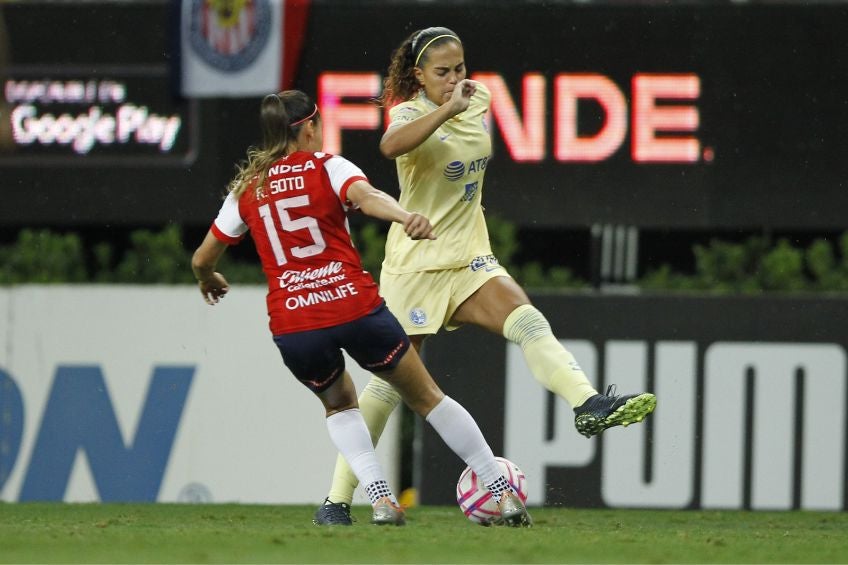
{"x": 44, "y": 256}
{"x": 753, "y": 266}
{"x": 371, "y": 241}
{"x": 756, "y": 265}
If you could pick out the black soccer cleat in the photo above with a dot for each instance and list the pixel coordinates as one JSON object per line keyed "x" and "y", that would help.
{"x": 333, "y": 514}
{"x": 604, "y": 411}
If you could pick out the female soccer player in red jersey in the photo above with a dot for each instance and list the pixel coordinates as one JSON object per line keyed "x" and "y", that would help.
{"x": 293, "y": 199}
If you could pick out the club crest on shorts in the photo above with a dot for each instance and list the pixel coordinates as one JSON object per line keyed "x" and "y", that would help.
{"x": 417, "y": 316}
{"x": 487, "y": 262}
{"x": 229, "y": 35}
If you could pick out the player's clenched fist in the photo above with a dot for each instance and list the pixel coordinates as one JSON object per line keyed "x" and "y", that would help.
{"x": 417, "y": 226}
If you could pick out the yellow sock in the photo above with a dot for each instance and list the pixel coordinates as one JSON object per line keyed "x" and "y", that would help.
{"x": 376, "y": 403}
{"x": 551, "y": 364}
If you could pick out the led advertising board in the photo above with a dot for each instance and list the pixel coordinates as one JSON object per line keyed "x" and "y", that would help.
{"x": 680, "y": 116}
{"x": 77, "y": 117}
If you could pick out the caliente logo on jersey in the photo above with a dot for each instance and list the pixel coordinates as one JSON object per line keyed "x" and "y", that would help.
{"x": 229, "y": 34}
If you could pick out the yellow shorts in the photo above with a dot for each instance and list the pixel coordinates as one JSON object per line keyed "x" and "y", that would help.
{"x": 426, "y": 300}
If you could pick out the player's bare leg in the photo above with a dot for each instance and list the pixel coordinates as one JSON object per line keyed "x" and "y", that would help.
{"x": 457, "y": 429}
{"x": 376, "y": 403}
{"x": 350, "y": 435}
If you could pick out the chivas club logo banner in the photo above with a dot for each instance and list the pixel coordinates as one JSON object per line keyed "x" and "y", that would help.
{"x": 239, "y": 47}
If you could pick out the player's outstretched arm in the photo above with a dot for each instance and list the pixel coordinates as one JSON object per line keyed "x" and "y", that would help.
{"x": 378, "y": 204}
{"x": 213, "y": 285}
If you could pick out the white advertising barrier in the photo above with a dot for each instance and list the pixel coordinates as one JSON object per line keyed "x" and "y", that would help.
{"x": 794, "y": 441}
{"x": 113, "y": 393}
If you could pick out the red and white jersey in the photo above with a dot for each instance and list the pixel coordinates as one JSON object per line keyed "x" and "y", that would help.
{"x": 299, "y": 225}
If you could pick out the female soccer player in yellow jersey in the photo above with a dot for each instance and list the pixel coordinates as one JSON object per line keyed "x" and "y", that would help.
{"x": 440, "y": 141}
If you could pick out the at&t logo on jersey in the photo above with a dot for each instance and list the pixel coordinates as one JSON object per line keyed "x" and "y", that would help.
{"x": 229, "y": 34}
{"x": 455, "y": 170}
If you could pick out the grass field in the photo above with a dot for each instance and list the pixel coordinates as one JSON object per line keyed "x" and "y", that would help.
{"x": 162, "y": 533}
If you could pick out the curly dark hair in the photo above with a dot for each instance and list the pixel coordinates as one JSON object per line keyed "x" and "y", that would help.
{"x": 400, "y": 84}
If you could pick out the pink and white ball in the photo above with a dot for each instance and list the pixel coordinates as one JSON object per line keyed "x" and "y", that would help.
{"x": 476, "y": 501}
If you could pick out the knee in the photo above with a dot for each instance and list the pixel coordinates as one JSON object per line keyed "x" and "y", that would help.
{"x": 380, "y": 389}
{"x": 339, "y": 396}
{"x": 525, "y": 325}
{"x": 416, "y": 388}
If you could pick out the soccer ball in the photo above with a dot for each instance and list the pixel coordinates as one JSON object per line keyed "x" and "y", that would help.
{"x": 476, "y": 501}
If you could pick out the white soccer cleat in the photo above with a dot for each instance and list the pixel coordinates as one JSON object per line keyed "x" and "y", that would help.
{"x": 513, "y": 511}
{"x": 387, "y": 513}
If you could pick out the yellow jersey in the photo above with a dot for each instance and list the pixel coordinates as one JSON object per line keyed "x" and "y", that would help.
{"x": 443, "y": 179}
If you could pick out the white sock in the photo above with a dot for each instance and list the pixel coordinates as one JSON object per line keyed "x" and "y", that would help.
{"x": 350, "y": 436}
{"x": 378, "y": 490}
{"x": 460, "y": 432}
{"x": 500, "y": 486}
{"x": 376, "y": 403}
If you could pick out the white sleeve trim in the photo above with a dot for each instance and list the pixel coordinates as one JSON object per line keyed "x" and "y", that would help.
{"x": 229, "y": 220}
{"x": 340, "y": 170}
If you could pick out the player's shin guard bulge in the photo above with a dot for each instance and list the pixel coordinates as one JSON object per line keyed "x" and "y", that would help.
{"x": 461, "y": 434}
{"x": 551, "y": 364}
{"x": 557, "y": 370}
{"x": 350, "y": 436}
{"x": 376, "y": 403}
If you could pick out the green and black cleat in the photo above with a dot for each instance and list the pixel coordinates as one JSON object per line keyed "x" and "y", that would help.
{"x": 604, "y": 411}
